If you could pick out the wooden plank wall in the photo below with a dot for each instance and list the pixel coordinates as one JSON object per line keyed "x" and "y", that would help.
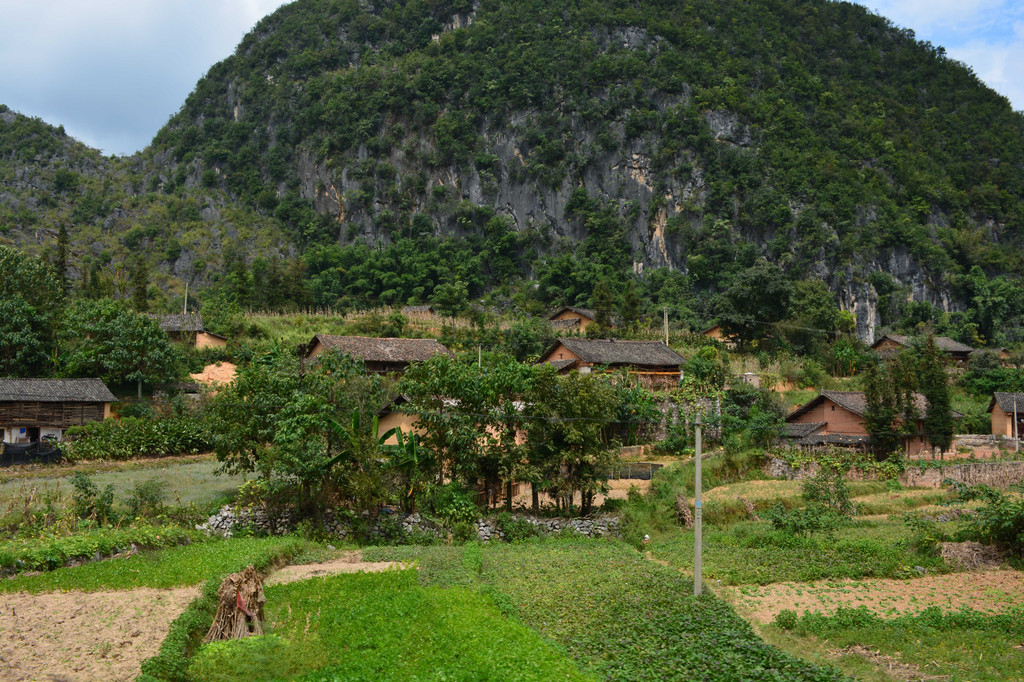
{"x": 56, "y": 415}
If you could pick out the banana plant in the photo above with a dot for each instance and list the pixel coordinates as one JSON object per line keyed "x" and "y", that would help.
{"x": 408, "y": 458}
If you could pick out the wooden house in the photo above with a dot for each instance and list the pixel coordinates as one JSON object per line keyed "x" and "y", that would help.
{"x": 378, "y": 355}
{"x": 837, "y": 418}
{"x": 890, "y": 344}
{"x": 1002, "y": 408}
{"x": 33, "y": 409}
{"x": 188, "y": 328}
{"x": 571, "y": 319}
{"x": 652, "y": 362}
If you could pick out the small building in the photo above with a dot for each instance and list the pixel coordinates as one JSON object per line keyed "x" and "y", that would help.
{"x": 188, "y": 328}
{"x": 838, "y": 418}
{"x": 890, "y": 344}
{"x": 1002, "y": 408}
{"x": 572, "y": 319}
{"x": 652, "y": 362}
{"x": 417, "y": 310}
{"x": 379, "y": 355}
{"x": 33, "y": 409}
{"x": 716, "y": 333}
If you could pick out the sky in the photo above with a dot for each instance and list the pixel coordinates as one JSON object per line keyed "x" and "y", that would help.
{"x": 112, "y": 72}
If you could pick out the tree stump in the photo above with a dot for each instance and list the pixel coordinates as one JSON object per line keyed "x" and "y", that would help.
{"x": 240, "y": 602}
{"x": 683, "y": 512}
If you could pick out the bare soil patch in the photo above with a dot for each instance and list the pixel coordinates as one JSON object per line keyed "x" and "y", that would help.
{"x": 85, "y": 635}
{"x": 351, "y": 562}
{"x": 71, "y": 636}
{"x": 987, "y": 591}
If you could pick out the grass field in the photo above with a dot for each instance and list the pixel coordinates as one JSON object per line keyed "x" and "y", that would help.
{"x": 620, "y": 616}
{"x": 189, "y": 480}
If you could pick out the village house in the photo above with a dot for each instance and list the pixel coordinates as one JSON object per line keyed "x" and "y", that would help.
{"x": 717, "y": 333}
{"x": 837, "y": 418}
{"x": 1003, "y": 407}
{"x": 380, "y": 356}
{"x": 188, "y": 328}
{"x": 890, "y": 344}
{"x": 653, "y": 363}
{"x": 572, "y": 319}
{"x": 34, "y": 409}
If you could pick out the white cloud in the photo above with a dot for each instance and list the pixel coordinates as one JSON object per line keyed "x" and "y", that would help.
{"x": 111, "y": 71}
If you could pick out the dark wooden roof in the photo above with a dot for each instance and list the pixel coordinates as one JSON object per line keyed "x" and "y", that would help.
{"x": 856, "y": 402}
{"x": 615, "y": 352}
{"x": 801, "y": 429}
{"x": 584, "y": 312}
{"x": 371, "y": 349}
{"x": 55, "y": 391}
{"x": 944, "y": 343}
{"x": 180, "y": 322}
{"x": 1005, "y": 401}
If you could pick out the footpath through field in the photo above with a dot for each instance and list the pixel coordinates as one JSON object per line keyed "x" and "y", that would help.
{"x": 70, "y": 636}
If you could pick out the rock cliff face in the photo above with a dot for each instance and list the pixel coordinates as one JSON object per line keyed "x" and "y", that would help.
{"x": 712, "y": 133}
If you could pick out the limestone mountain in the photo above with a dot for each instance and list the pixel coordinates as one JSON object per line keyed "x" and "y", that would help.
{"x": 572, "y": 142}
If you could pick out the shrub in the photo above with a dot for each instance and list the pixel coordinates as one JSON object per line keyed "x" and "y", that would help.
{"x": 516, "y": 529}
{"x": 804, "y": 520}
{"x": 147, "y": 498}
{"x": 452, "y": 504}
{"x": 786, "y": 619}
{"x": 828, "y": 489}
{"x": 89, "y": 502}
{"x": 1000, "y": 520}
{"x": 132, "y": 437}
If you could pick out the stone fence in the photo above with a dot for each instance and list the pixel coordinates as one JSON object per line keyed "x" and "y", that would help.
{"x": 228, "y": 520}
{"x": 995, "y": 474}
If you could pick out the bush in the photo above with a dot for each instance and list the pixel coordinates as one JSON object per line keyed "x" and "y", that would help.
{"x": 147, "y": 498}
{"x": 1000, "y": 520}
{"x": 452, "y": 504}
{"x": 516, "y": 529}
{"x": 804, "y": 520}
{"x": 131, "y": 437}
{"x": 89, "y": 502}
{"x": 828, "y": 489}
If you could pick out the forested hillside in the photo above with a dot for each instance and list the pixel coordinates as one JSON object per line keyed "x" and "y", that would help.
{"x": 353, "y": 154}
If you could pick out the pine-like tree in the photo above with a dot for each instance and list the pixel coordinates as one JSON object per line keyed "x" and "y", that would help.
{"x": 934, "y": 382}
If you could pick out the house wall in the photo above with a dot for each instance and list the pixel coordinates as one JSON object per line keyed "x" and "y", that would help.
{"x": 560, "y": 352}
{"x": 1002, "y": 422}
{"x": 204, "y": 340}
{"x": 837, "y": 419}
{"x": 55, "y": 415}
{"x": 570, "y": 315}
{"x": 401, "y": 420}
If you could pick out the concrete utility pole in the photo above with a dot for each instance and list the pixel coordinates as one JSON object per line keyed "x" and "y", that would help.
{"x": 1016, "y": 435}
{"x": 698, "y": 519}
{"x": 665, "y": 310}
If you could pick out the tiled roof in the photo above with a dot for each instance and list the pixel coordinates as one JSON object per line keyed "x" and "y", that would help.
{"x": 371, "y": 349}
{"x": 573, "y": 323}
{"x": 180, "y": 322}
{"x": 585, "y": 312}
{"x": 1005, "y": 401}
{"x": 55, "y": 391}
{"x": 562, "y": 364}
{"x": 802, "y": 429}
{"x": 615, "y": 352}
{"x": 944, "y": 343}
{"x": 856, "y": 402}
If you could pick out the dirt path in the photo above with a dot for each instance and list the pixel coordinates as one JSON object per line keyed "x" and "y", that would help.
{"x": 71, "y": 636}
{"x": 351, "y": 562}
{"x": 990, "y": 591}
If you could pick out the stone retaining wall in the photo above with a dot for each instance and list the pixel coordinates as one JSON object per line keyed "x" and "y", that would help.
{"x": 995, "y": 474}
{"x": 228, "y": 519}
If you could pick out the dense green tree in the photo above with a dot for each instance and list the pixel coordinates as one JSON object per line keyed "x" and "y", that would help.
{"x": 891, "y": 413}
{"x": 934, "y": 383}
{"x": 106, "y": 339}
{"x": 756, "y": 302}
{"x": 31, "y": 303}
{"x": 813, "y": 316}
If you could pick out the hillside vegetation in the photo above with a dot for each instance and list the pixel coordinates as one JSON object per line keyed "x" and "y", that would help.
{"x": 354, "y": 154}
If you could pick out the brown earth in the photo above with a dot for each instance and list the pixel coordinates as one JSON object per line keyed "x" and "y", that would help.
{"x": 71, "y": 636}
{"x": 987, "y": 591}
{"x": 219, "y": 373}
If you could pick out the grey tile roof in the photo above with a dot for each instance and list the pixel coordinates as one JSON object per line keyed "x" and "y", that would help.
{"x": 371, "y": 349}
{"x": 180, "y": 322}
{"x": 585, "y": 312}
{"x": 944, "y": 343}
{"x": 55, "y": 391}
{"x": 856, "y": 402}
{"x": 615, "y": 352}
{"x": 1005, "y": 401}
{"x": 801, "y": 429}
